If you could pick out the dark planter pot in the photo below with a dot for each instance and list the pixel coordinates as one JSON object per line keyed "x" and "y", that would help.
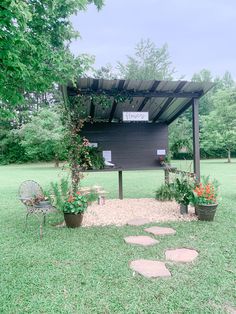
{"x": 73, "y": 220}
{"x": 206, "y": 212}
{"x": 183, "y": 209}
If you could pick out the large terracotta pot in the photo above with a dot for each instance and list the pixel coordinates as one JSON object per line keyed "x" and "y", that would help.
{"x": 206, "y": 212}
{"x": 73, "y": 220}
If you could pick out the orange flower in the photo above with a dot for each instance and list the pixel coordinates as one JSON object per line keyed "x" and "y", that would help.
{"x": 70, "y": 199}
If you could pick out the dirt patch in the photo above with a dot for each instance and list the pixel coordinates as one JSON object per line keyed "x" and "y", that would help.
{"x": 119, "y": 212}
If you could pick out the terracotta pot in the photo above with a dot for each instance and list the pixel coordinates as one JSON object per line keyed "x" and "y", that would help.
{"x": 206, "y": 212}
{"x": 73, "y": 220}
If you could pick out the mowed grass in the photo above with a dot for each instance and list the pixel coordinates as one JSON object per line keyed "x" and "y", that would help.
{"x": 87, "y": 270}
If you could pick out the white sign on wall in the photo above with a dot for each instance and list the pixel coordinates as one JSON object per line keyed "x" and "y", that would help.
{"x": 135, "y": 116}
{"x": 106, "y": 155}
{"x": 161, "y": 152}
{"x": 93, "y": 144}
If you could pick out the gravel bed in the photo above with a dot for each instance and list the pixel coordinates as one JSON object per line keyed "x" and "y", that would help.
{"x": 119, "y": 212}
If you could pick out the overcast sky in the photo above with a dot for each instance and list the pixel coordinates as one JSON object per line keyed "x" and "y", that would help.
{"x": 199, "y": 33}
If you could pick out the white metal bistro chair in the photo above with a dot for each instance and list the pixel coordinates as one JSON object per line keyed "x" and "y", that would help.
{"x": 28, "y": 191}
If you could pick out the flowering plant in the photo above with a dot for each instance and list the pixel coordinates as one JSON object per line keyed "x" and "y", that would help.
{"x": 89, "y": 157}
{"x": 75, "y": 204}
{"x": 206, "y": 192}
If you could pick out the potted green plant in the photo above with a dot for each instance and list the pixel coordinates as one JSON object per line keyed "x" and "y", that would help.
{"x": 73, "y": 209}
{"x": 205, "y": 199}
{"x": 183, "y": 192}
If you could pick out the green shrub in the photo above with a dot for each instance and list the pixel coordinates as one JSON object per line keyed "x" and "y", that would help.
{"x": 165, "y": 192}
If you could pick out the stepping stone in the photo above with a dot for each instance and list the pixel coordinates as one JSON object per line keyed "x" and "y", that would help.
{"x": 149, "y": 268}
{"x": 141, "y": 240}
{"x": 138, "y": 222}
{"x": 160, "y": 230}
{"x": 181, "y": 255}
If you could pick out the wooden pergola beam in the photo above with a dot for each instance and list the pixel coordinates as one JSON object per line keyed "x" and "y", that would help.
{"x": 196, "y": 144}
{"x": 179, "y": 112}
{"x": 146, "y": 99}
{"x": 169, "y": 101}
{"x": 114, "y": 105}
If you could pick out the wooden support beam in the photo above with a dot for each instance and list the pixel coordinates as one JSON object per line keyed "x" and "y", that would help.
{"x": 92, "y": 110}
{"x": 95, "y": 83}
{"x": 179, "y": 112}
{"x": 114, "y": 105}
{"x": 152, "y": 89}
{"x": 113, "y": 110}
{"x": 120, "y": 185}
{"x": 196, "y": 146}
{"x": 169, "y": 101}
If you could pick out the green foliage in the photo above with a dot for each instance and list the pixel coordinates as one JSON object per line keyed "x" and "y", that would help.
{"x": 105, "y": 72}
{"x": 92, "y": 196}
{"x": 165, "y": 192}
{"x": 148, "y": 63}
{"x": 11, "y": 150}
{"x": 59, "y": 193}
{"x": 34, "y": 47}
{"x": 180, "y": 136}
{"x": 75, "y": 204}
{"x": 219, "y": 128}
{"x": 89, "y": 157}
{"x": 43, "y": 137}
{"x": 183, "y": 189}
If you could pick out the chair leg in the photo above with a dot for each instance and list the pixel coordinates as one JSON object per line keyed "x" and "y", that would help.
{"x": 44, "y": 220}
{"x": 41, "y": 231}
{"x": 26, "y": 221}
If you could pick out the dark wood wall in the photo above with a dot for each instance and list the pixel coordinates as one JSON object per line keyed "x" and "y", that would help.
{"x": 132, "y": 145}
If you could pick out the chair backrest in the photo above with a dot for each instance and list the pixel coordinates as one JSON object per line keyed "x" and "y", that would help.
{"x": 29, "y": 190}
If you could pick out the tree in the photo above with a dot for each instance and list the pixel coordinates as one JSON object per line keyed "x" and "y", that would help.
{"x": 180, "y": 136}
{"x": 43, "y": 137}
{"x": 148, "y": 63}
{"x": 105, "y": 72}
{"x": 219, "y": 128}
{"x": 34, "y": 47}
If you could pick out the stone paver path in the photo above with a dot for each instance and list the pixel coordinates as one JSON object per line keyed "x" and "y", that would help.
{"x": 149, "y": 268}
{"x": 141, "y": 240}
{"x": 154, "y": 268}
{"x": 138, "y": 222}
{"x": 181, "y": 255}
{"x": 160, "y": 230}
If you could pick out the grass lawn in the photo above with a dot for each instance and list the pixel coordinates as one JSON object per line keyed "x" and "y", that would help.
{"x": 86, "y": 270}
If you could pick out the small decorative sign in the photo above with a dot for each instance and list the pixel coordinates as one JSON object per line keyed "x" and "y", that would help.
{"x": 135, "y": 116}
{"x": 93, "y": 144}
{"x": 161, "y": 152}
{"x": 106, "y": 155}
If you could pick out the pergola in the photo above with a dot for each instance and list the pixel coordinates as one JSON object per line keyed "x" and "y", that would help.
{"x": 164, "y": 101}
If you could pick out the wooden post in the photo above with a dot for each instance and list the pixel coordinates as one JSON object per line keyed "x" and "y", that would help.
{"x": 120, "y": 185}
{"x": 196, "y": 146}
{"x": 167, "y": 176}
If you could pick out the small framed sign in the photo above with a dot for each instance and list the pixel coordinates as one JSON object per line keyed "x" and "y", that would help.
{"x": 135, "y": 116}
{"x": 93, "y": 144}
{"x": 161, "y": 152}
{"x": 106, "y": 155}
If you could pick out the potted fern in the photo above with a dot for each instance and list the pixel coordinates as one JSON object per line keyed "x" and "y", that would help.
{"x": 183, "y": 192}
